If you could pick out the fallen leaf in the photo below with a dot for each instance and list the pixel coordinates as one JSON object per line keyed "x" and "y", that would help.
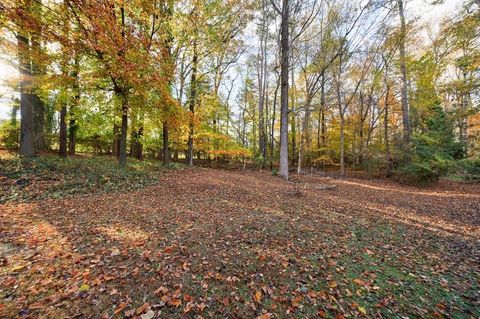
{"x": 148, "y": 315}
{"x": 143, "y": 308}
{"x": 296, "y": 301}
{"x": 119, "y": 308}
{"x": 362, "y": 310}
{"x": 257, "y": 296}
{"x": 84, "y": 288}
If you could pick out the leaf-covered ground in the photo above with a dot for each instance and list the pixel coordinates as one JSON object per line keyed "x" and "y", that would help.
{"x": 223, "y": 244}
{"x": 50, "y": 177}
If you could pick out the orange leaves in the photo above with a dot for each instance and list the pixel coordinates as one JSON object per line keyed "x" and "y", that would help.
{"x": 359, "y": 282}
{"x": 175, "y": 302}
{"x": 168, "y": 250}
{"x": 257, "y": 297}
{"x": 120, "y": 308}
{"x": 296, "y": 301}
{"x": 143, "y": 308}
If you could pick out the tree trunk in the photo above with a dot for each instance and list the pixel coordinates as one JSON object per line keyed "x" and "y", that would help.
{"x": 166, "y": 153}
{"x": 63, "y": 132}
{"x": 385, "y": 126}
{"x": 293, "y": 123}
{"x": 39, "y": 123}
{"x": 72, "y": 125}
{"x": 285, "y": 48}
{"x": 193, "y": 96}
{"x": 38, "y": 70}
{"x": 27, "y": 139}
{"x": 272, "y": 127}
{"x": 342, "y": 145}
{"x": 323, "y": 107}
{"x": 122, "y": 152}
{"x": 403, "y": 69}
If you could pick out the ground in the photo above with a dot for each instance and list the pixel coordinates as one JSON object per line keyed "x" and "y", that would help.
{"x": 236, "y": 244}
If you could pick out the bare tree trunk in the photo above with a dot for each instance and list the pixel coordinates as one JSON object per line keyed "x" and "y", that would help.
{"x": 272, "y": 127}
{"x": 72, "y": 125}
{"x": 342, "y": 143}
{"x": 63, "y": 132}
{"x": 122, "y": 152}
{"x": 403, "y": 69}
{"x": 385, "y": 126}
{"x": 285, "y": 48}
{"x": 27, "y": 142}
{"x": 122, "y": 94}
{"x": 262, "y": 86}
{"x": 293, "y": 122}
{"x": 166, "y": 153}
{"x": 37, "y": 103}
{"x": 193, "y": 96}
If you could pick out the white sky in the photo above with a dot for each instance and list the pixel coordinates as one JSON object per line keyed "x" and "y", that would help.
{"x": 428, "y": 14}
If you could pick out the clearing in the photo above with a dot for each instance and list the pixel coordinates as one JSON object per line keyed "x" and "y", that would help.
{"x": 217, "y": 244}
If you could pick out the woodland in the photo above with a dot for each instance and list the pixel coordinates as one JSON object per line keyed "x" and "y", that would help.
{"x": 240, "y": 159}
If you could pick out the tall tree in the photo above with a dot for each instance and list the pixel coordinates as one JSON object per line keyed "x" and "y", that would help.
{"x": 403, "y": 70}
{"x": 27, "y": 136}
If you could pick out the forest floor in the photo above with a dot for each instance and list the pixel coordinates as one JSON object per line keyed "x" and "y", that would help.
{"x": 205, "y": 243}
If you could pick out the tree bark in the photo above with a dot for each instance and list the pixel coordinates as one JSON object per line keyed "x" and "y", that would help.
{"x": 385, "y": 126}
{"x": 166, "y": 152}
{"x": 72, "y": 125}
{"x": 37, "y": 103}
{"x": 27, "y": 139}
{"x": 403, "y": 69}
{"x": 193, "y": 96}
{"x": 285, "y": 48}
{"x": 122, "y": 152}
{"x": 63, "y": 132}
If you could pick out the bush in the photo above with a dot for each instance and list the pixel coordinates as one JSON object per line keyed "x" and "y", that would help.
{"x": 469, "y": 169}
{"x": 416, "y": 174}
{"x": 9, "y": 136}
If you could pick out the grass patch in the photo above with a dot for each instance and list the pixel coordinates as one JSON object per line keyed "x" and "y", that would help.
{"x": 388, "y": 284}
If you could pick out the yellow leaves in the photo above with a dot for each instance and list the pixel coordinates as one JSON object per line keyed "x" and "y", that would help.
{"x": 17, "y": 268}
{"x": 84, "y": 288}
{"x": 362, "y": 310}
{"x": 332, "y": 284}
{"x": 265, "y": 316}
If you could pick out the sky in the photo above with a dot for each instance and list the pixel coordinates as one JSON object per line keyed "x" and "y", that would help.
{"x": 426, "y": 13}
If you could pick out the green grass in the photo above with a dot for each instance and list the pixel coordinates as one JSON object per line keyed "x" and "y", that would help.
{"x": 25, "y": 179}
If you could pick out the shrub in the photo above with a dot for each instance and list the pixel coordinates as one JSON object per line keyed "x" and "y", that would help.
{"x": 469, "y": 169}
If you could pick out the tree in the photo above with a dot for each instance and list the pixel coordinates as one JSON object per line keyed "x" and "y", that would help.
{"x": 403, "y": 70}
{"x": 27, "y": 136}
